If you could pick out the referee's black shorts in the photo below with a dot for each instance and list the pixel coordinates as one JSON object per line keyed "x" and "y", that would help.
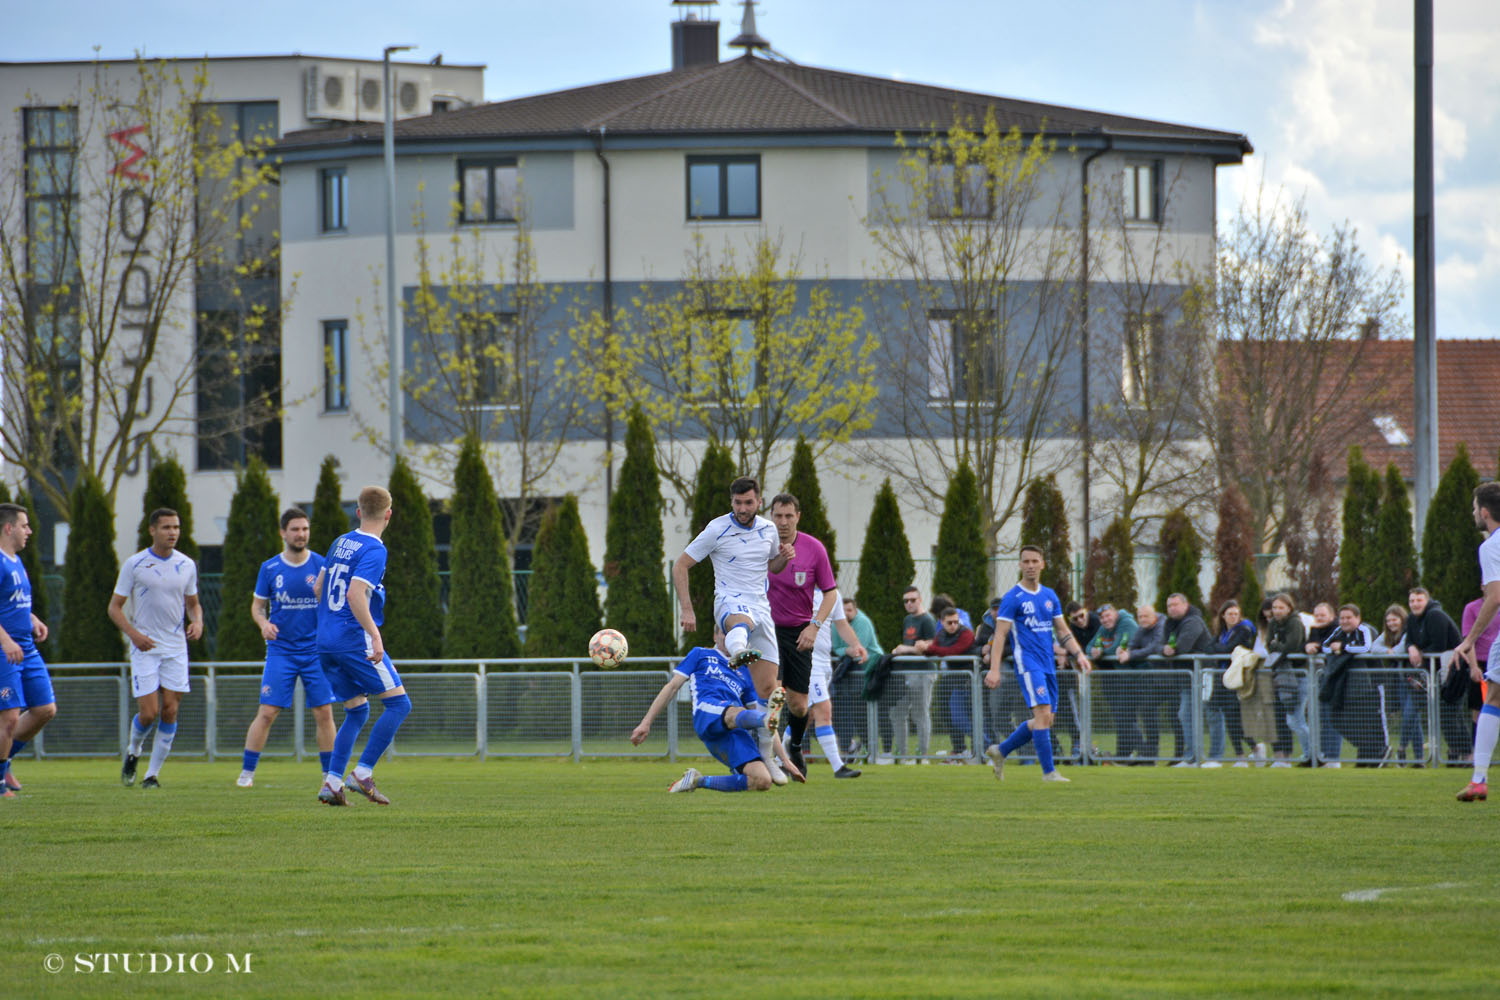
{"x": 796, "y": 664}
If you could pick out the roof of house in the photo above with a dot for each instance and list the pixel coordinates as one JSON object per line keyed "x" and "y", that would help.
{"x": 1468, "y": 405}
{"x": 751, "y": 94}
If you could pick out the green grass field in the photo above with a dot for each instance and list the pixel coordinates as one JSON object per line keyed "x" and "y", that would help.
{"x": 556, "y": 879}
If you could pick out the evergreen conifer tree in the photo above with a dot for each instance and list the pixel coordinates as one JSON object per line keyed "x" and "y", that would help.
{"x": 1357, "y": 554}
{"x": 1394, "y": 570}
{"x": 1251, "y": 595}
{"x": 1449, "y": 568}
{"x": 481, "y": 598}
{"x": 1181, "y": 555}
{"x": 636, "y": 603}
{"x": 413, "y": 590}
{"x": 89, "y": 575}
{"x": 328, "y": 519}
{"x": 885, "y": 567}
{"x": 31, "y": 558}
{"x": 1234, "y": 548}
{"x": 710, "y": 499}
{"x": 563, "y": 583}
{"x": 251, "y": 537}
{"x": 1044, "y": 523}
{"x": 802, "y": 483}
{"x": 962, "y": 569}
{"x": 166, "y": 486}
{"x": 1111, "y": 568}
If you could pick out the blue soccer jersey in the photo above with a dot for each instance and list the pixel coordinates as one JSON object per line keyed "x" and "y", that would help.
{"x": 15, "y": 601}
{"x": 1031, "y": 617}
{"x": 355, "y": 556}
{"x": 291, "y": 604}
{"x": 714, "y": 684}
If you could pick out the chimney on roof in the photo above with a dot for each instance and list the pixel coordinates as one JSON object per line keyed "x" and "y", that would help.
{"x": 695, "y": 35}
{"x": 748, "y": 39}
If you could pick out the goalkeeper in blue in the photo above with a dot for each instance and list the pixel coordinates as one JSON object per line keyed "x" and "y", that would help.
{"x": 726, "y": 718}
{"x": 1036, "y": 616}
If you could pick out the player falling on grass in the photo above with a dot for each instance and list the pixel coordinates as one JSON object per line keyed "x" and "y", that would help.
{"x": 26, "y": 700}
{"x": 744, "y": 547}
{"x": 285, "y": 609}
{"x": 1487, "y": 729}
{"x": 162, "y": 585}
{"x": 727, "y": 716}
{"x": 351, "y": 609}
{"x": 1037, "y": 617}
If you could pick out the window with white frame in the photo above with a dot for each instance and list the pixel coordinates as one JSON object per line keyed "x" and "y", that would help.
{"x": 963, "y": 355}
{"x": 1142, "y": 191}
{"x": 333, "y": 199}
{"x": 335, "y": 365}
{"x": 1140, "y": 354}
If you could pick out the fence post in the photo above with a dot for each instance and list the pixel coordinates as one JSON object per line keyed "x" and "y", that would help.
{"x": 872, "y": 726}
{"x": 977, "y": 714}
{"x": 125, "y": 712}
{"x": 482, "y": 716}
{"x": 1434, "y": 728}
{"x": 1314, "y": 710}
{"x": 299, "y": 721}
{"x": 1085, "y": 718}
{"x": 577, "y": 713}
{"x": 672, "y": 713}
{"x": 211, "y": 714}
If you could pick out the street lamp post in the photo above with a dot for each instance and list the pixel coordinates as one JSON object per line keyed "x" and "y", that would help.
{"x": 393, "y": 318}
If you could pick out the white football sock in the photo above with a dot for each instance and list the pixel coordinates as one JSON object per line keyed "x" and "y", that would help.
{"x": 829, "y": 741}
{"x": 1485, "y": 734}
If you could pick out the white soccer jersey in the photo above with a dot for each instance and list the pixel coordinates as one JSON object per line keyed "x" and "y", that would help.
{"x": 740, "y": 554}
{"x": 1489, "y": 559}
{"x": 822, "y": 651}
{"x": 157, "y": 588}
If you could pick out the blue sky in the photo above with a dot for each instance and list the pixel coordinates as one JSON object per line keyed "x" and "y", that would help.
{"x": 1321, "y": 87}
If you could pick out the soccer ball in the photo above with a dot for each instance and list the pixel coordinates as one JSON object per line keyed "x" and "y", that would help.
{"x": 608, "y": 648}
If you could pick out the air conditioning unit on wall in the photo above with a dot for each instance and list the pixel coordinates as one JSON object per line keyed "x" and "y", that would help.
{"x": 371, "y": 106}
{"x": 413, "y": 95}
{"x": 329, "y": 92}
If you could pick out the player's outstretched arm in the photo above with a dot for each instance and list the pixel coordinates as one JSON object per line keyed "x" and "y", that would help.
{"x": 663, "y": 698}
{"x": 680, "y": 569}
{"x": 997, "y": 647}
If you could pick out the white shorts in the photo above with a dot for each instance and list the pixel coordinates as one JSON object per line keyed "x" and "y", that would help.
{"x": 762, "y": 631}
{"x": 821, "y": 679}
{"x": 1492, "y": 667}
{"x": 153, "y": 669}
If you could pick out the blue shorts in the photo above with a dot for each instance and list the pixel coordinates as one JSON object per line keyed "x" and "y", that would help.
{"x": 26, "y": 684}
{"x": 733, "y": 748}
{"x": 351, "y": 674}
{"x": 1038, "y": 686}
{"x": 279, "y": 679}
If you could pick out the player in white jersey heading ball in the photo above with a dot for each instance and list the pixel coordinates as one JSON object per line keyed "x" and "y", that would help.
{"x": 744, "y": 547}
{"x": 161, "y": 584}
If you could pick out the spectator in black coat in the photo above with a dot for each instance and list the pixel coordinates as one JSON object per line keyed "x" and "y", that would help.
{"x": 1430, "y": 632}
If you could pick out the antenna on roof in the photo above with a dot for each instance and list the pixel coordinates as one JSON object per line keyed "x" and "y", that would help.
{"x": 749, "y": 39}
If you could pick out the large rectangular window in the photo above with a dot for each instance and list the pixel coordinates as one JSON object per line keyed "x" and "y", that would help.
{"x": 487, "y": 190}
{"x": 959, "y": 192}
{"x": 1142, "y": 193}
{"x": 1141, "y": 353}
{"x": 723, "y": 187}
{"x": 963, "y": 355}
{"x": 51, "y": 136}
{"x": 333, "y": 199}
{"x": 489, "y": 356}
{"x": 336, "y": 365}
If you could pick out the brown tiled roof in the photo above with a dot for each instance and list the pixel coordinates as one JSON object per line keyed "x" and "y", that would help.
{"x": 751, "y": 94}
{"x": 1468, "y": 377}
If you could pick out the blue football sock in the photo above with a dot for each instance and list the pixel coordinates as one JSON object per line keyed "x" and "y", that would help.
{"x": 252, "y": 757}
{"x": 396, "y": 711}
{"x": 15, "y": 751}
{"x": 750, "y": 718}
{"x": 137, "y": 736}
{"x": 4, "y": 767}
{"x": 324, "y": 758}
{"x": 726, "y": 782}
{"x": 1016, "y": 740}
{"x": 344, "y": 739}
{"x": 1043, "y": 740}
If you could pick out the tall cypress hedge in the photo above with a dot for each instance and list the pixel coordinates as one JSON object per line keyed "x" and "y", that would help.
{"x": 802, "y": 483}
{"x": 166, "y": 486}
{"x": 89, "y": 577}
{"x": 634, "y": 551}
{"x": 481, "y": 598}
{"x": 1394, "y": 571}
{"x": 1044, "y": 523}
{"x": 885, "y": 567}
{"x": 1181, "y": 555}
{"x": 1450, "y": 568}
{"x": 413, "y": 628}
{"x": 710, "y": 499}
{"x": 962, "y": 569}
{"x": 1234, "y": 548}
{"x": 1357, "y": 553}
{"x": 1110, "y": 578}
{"x": 251, "y": 538}
{"x": 328, "y": 519}
{"x": 564, "y": 587}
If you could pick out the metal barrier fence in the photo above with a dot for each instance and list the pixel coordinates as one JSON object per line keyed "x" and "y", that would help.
{"x": 1389, "y": 712}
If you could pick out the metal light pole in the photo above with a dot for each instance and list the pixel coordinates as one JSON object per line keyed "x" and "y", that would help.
{"x": 393, "y": 318}
{"x": 1424, "y": 368}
